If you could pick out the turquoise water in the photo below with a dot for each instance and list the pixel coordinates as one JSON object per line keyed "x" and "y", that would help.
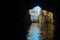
{"x": 34, "y": 32}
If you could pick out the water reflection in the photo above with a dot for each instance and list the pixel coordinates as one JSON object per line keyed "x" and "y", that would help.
{"x": 41, "y": 31}
{"x": 47, "y": 31}
{"x": 34, "y": 32}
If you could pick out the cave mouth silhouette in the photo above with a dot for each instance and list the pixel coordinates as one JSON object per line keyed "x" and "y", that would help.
{"x": 24, "y": 21}
{"x": 34, "y": 32}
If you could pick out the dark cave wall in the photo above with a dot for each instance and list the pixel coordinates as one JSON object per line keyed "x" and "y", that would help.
{"x": 23, "y": 20}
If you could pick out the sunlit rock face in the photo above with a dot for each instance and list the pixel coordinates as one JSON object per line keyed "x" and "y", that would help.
{"x": 47, "y": 16}
{"x": 35, "y": 12}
